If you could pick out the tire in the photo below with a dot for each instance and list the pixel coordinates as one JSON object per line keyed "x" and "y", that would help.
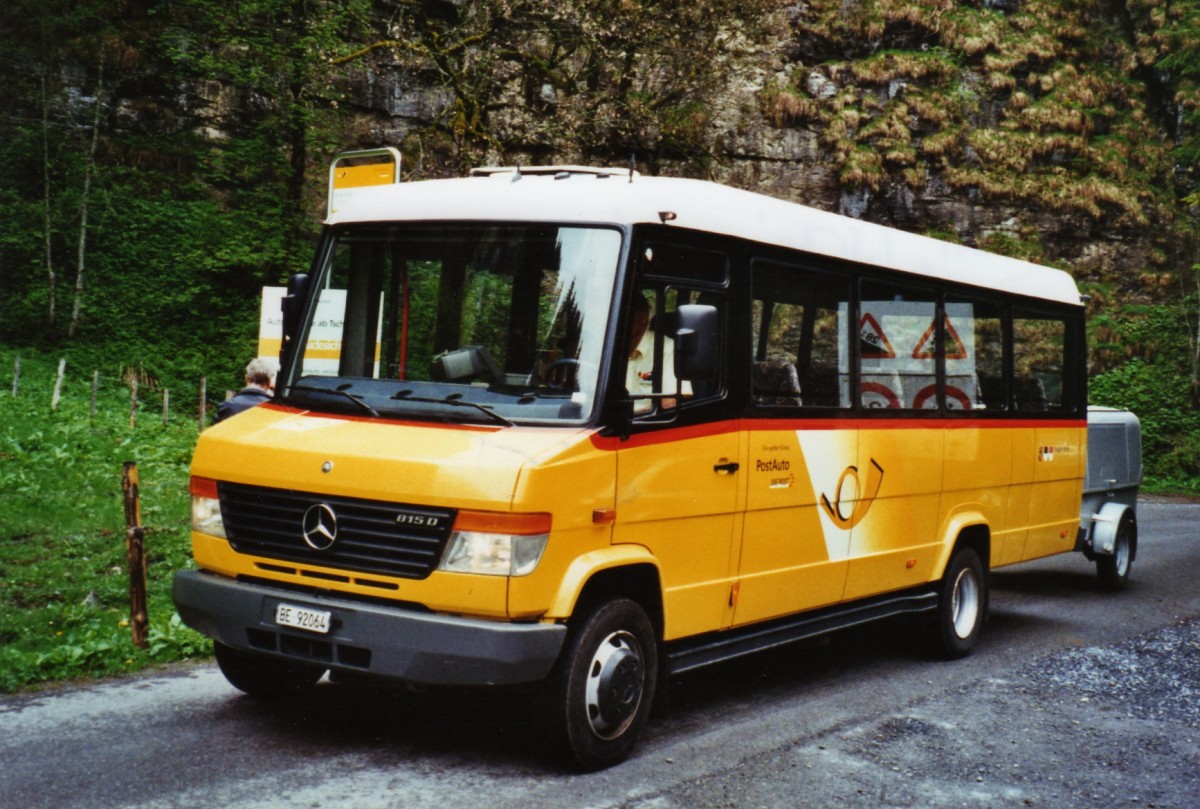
{"x": 604, "y": 685}
{"x": 962, "y": 605}
{"x": 1114, "y": 570}
{"x": 265, "y": 677}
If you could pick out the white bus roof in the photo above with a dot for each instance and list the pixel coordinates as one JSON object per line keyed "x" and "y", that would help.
{"x": 612, "y": 196}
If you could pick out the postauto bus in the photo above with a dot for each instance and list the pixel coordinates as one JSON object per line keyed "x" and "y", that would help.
{"x": 593, "y": 429}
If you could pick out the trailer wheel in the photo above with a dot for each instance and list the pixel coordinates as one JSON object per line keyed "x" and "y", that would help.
{"x": 962, "y": 605}
{"x": 604, "y": 684}
{"x": 1114, "y": 569}
{"x": 262, "y": 676}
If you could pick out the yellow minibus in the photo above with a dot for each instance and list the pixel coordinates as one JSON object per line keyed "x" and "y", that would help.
{"x": 594, "y": 428}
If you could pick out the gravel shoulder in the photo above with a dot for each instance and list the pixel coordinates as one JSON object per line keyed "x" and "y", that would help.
{"x": 1097, "y": 726}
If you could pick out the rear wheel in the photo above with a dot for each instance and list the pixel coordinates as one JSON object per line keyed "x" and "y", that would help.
{"x": 962, "y": 605}
{"x": 262, "y": 676}
{"x": 604, "y": 684}
{"x": 1114, "y": 570}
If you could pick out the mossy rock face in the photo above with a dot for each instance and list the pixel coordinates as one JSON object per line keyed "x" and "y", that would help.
{"x": 1012, "y": 108}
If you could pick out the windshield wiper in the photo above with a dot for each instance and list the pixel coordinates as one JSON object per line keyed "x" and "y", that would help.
{"x": 343, "y": 393}
{"x": 452, "y": 401}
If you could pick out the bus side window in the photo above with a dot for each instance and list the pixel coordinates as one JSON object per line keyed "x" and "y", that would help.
{"x": 974, "y": 355}
{"x": 1039, "y": 345}
{"x": 670, "y": 276}
{"x": 797, "y": 317}
{"x": 897, "y": 345}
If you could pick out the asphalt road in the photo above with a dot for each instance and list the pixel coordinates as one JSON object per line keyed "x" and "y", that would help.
{"x": 1075, "y": 698}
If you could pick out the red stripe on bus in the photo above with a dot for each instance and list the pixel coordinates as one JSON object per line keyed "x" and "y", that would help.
{"x": 670, "y": 435}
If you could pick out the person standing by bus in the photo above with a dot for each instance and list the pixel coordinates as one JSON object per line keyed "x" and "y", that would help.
{"x": 260, "y": 387}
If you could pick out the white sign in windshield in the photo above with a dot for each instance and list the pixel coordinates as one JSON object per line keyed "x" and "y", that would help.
{"x": 324, "y": 346}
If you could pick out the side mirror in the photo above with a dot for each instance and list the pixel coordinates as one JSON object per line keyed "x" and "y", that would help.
{"x": 697, "y": 343}
{"x": 293, "y": 310}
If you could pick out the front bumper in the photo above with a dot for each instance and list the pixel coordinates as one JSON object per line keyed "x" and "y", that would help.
{"x": 370, "y": 638}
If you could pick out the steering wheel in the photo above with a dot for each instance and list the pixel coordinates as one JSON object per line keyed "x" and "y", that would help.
{"x": 549, "y": 373}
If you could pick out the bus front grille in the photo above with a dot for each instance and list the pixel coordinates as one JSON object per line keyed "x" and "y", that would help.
{"x": 371, "y": 536}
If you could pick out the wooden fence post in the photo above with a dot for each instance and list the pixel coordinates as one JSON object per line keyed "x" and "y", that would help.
{"x": 133, "y": 403}
{"x": 166, "y": 405}
{"x": 135, "y": 551}
{"x": 95, "y": 387}
{"x": 62, "y": 367}
{"x": 17, "y": 377}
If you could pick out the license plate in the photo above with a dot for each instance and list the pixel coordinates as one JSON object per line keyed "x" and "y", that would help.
{"x": 302, "y": 618}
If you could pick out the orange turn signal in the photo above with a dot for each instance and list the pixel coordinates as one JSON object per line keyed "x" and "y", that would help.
{"x": 202, "y": 487}
{"x": 502, "y": 522}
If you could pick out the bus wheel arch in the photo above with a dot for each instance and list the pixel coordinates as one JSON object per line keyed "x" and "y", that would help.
{"x": 638, "y": 583}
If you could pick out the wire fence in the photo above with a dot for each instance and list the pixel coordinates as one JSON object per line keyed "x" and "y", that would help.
{"x": 145, "y": 395}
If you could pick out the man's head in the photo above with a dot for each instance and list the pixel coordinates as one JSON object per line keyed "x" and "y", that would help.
{"x": 261, "y": 373}
{"x": 640, "y": 321}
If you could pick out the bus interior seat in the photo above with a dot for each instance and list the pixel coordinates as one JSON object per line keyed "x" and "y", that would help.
{"x": 1028, "y": 393}
{"x": 820, "y": 386}
{"x": 776, "y": 383}
{"x": 989, "y": 391}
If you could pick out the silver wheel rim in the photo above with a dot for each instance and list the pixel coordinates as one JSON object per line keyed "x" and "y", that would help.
{"x": 964, "y": 603}
{"x": 1121, "y": 555}
{"x": 615, "y": 680}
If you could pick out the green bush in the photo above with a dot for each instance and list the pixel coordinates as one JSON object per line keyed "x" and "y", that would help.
{"x": 1159, "y": 394}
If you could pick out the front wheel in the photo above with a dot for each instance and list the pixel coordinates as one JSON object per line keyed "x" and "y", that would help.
{"x": 1114, "y": 570}
{"x": 962, "y": 605}
{"x": 262, "y": 676}
{"x": 604, "y": 684}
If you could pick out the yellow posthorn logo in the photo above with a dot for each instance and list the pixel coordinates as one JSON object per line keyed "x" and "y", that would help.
{"x": 863, "y": 503}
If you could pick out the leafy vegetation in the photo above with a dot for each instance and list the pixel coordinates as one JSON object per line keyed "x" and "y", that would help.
{"x": 64, "y": 581}
{"x": 1150, "y": 364}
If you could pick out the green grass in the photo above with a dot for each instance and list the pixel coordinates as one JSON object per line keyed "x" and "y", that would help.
{"x": 64, "y": 581}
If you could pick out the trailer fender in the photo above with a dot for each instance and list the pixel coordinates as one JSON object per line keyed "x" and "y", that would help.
{"x": 1102, "y": 538}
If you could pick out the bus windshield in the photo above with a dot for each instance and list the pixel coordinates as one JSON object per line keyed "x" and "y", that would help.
{"x": 457, "y": 322}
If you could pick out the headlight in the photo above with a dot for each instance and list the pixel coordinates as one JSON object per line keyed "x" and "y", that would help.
{"x": 496, "y": 544}
{"x": 206, "y": 508}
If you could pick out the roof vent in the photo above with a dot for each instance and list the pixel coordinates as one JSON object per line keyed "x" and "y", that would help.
{"x": 557, "y": 172}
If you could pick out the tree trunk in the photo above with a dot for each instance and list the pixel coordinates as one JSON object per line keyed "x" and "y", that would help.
{"x": 1194, "y": 340}
{"x": 297, "y": 127}
{"x": 51, "y": 278}
{"x": 89, "y": 170}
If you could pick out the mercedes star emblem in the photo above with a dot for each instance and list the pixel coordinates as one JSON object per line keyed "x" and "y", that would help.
{"x": 320, "y": 527}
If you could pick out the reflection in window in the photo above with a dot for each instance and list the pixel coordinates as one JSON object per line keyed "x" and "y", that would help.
{"x": 1039, "y": 346}
{"x": 974, "y": 347}
{"x": 897, "y": 347}
{"x": 798, "y": 320}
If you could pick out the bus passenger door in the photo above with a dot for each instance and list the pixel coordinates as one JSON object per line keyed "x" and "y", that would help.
{"x": 795, "y": 541}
